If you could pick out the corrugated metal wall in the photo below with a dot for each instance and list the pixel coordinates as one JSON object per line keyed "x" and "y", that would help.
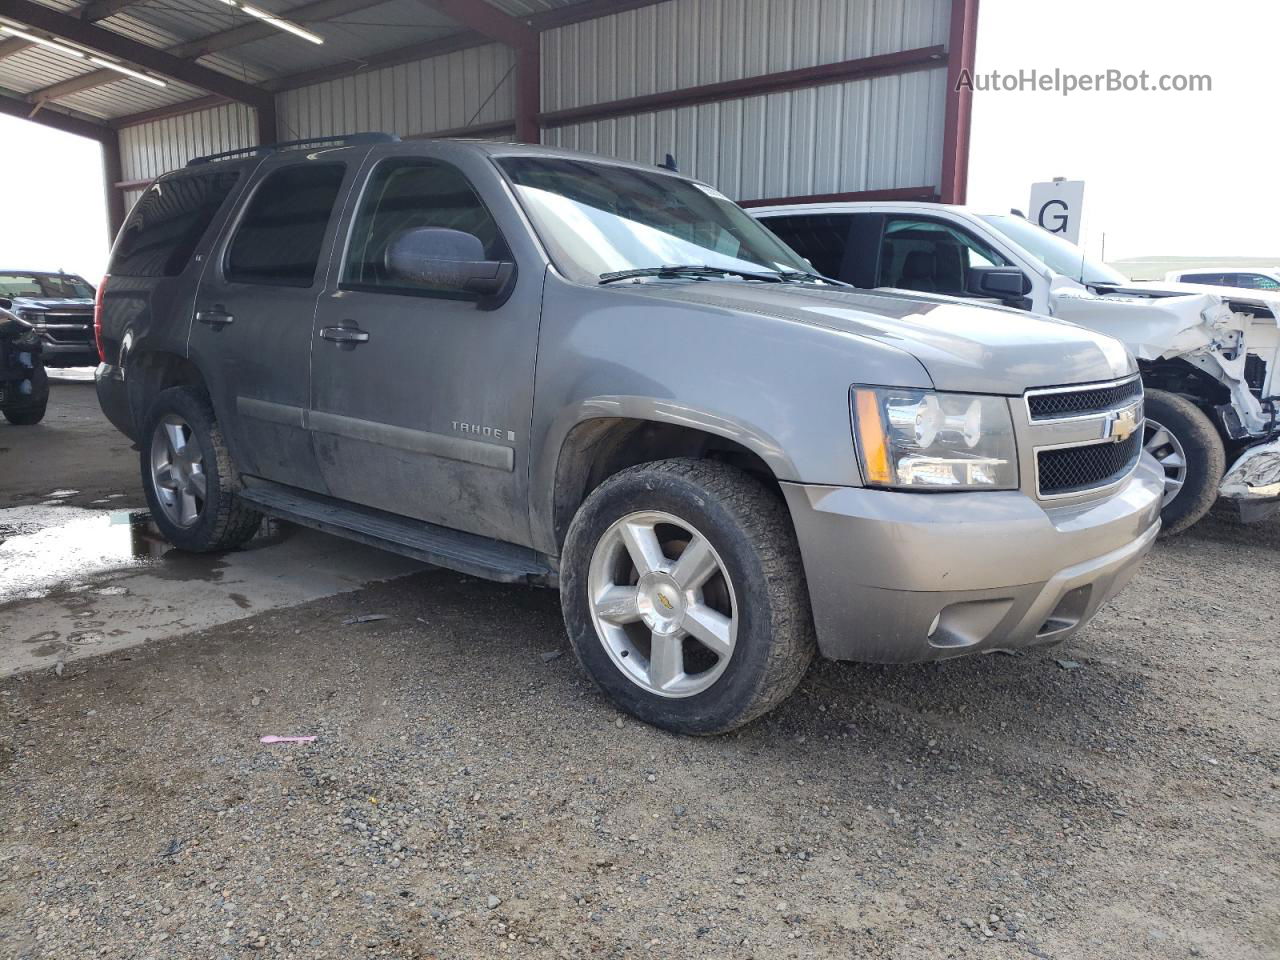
{"x": 459, "y": 89}
{"x": 150, "y": 149}
{"x": 867, "y": 134}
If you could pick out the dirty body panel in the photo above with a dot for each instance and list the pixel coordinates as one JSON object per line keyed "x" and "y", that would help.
{"x": 348, "y": 396}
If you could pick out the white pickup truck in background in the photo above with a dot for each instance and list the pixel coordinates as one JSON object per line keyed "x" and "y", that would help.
{"x": 1209, "y": 356}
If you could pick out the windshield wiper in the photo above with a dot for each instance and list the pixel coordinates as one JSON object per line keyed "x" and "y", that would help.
{"x": 675, "y": 271}
{"x": 803, "y": 276}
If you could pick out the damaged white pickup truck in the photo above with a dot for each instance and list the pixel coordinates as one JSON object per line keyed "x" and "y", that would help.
{"x": 1209, "y": 356}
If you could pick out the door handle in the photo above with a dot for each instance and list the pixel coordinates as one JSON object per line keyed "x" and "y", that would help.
{"x": 344, "y": 335}
{"x": 217, "y": 317}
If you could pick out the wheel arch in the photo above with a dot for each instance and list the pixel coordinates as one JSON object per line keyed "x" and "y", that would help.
{"x": 594, "y": 448}
{"x": 148, "y": 372}
{"x": 1177, "y": 376}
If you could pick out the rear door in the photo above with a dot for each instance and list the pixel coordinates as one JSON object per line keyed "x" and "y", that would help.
{"x": 421, "y": 399}
{"x": 157, "y": 260}
{"x": 254, "y": 310}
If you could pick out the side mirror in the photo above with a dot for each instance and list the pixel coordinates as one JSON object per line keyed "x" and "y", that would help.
{"x": 6, "y": 303}
{"x": 445, "y": 259}
{"x": 998, "y": 283}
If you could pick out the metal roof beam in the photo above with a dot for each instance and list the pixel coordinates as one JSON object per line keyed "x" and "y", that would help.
{"x": 128, "y": 50}
{"x": 489, "y": 20}
{"x": 96, "y": 10}
{"x": 587, "y": 10}
{"x": 223, "y": 40}
{"x": 388, "y": 58}
{"x": 89, "y": 13}
{"x": 168, "y": 111}
{"x": 16, "y": 107}
{"x": 317, "y": 12}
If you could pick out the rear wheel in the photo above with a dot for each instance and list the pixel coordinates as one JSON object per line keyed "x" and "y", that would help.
{"x": 188, "y": 476}
{"x": 25, "y": 410}
{"x": 1188, "y": 448}
{"x": 684, "y": 595}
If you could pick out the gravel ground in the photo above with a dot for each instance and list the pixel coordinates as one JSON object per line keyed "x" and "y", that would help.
{"x": 470, "y": 794}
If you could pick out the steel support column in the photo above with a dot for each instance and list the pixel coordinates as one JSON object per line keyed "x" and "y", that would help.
{"x": 111, "y": 173}
{"x": 961, "y": 56}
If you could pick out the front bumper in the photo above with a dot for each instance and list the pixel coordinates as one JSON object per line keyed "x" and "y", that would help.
{"x": 909, "y": 577}
{"x": 69, "y": 354}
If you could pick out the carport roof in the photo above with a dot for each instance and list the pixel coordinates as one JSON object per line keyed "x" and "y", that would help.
{"x": 204, "y": 40}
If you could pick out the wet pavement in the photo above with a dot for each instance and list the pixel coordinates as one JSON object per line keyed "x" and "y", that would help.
{"x": 84, "y": 571}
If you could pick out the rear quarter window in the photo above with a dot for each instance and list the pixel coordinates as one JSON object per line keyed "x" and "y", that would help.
{"x": 166, "y": 225}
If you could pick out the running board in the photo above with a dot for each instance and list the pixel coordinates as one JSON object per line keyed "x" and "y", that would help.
{"x": 465, "y": 552}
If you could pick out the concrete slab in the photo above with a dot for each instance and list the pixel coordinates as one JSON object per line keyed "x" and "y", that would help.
{"x": 84, "y": 572}
{"x": 83, "y": 582}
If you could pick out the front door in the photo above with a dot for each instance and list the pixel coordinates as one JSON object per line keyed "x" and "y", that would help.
{"x": 254, "y": 313}
{"x": 421, "y": 396}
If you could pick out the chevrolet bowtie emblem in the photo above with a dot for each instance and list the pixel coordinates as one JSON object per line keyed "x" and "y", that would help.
{"x": 1122, "y": 425}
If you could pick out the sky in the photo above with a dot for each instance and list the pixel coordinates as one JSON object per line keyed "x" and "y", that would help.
{"x": 53, "y": 211}
{"x": 1167, "y": 174}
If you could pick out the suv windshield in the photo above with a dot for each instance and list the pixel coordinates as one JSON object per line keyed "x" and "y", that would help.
{"x": 1059, "y": 255}
{"x": 599, "y": 219}
{"x": 45, "y": 286}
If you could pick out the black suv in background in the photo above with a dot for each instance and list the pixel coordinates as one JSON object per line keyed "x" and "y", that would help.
{"x": 59, "y": 309}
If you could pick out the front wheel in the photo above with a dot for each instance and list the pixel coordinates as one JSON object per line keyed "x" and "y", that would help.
{"x": 188, "y": 477}
{"x": 27, "y": 409}
{"x": 1185, "y": 443}
{"x": 684, "y": 595}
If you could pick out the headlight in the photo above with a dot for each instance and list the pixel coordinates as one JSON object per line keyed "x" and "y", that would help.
{"x": 919, "y": 439}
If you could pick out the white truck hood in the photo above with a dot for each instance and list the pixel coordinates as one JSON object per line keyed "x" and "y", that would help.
{"x": 1188, "y": 321}
{"x": 1156, "y": 324}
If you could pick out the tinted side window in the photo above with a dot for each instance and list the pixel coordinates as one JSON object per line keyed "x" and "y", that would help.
{"x": 167, "y": 223}
{"x": 404, "y": 194}
{"x": 818, "y": 237}
{"x": 932, "y": 257}
{"x": 1257, "y": 281}
{"x": 278, "y": 242}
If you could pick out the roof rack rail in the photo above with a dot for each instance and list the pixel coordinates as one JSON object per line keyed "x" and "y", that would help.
{"x": 343, "y": 140}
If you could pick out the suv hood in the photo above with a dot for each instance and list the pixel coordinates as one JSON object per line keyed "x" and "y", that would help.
{"x": 963, "y": 347}
{"x": 35, "y": 303}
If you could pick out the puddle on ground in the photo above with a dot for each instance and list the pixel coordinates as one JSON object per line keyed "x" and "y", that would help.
{"x": 70, "y": 550}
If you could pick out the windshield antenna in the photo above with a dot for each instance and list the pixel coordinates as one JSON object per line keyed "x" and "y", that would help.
{"x": 669, "y": 164}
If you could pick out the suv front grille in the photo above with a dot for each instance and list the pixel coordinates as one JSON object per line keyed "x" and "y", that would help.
{"x": 66, "y": 327}
{"x": 1076, "y": 469}
{"x": 1060, "y": 404}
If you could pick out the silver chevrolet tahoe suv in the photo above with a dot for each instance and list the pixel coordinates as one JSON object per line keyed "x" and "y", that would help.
{"x": 545, "y": 367}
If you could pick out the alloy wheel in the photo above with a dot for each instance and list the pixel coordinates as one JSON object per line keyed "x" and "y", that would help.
{"x": 662, "y": 604}
{"x": 1161, "y": 443}
{"x": 177, "y": 471}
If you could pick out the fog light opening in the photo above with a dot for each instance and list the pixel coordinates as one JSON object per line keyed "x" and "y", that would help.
{"x": 1067, "y": 614}
{"x": 968, "y": 623}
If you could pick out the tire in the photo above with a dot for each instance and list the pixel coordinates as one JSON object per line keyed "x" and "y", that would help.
{"x": 1185, "y": 442}
{"x": 28, "y": 411}
{"x": 219, "y": 520}
{"x": 757, "y": 590}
